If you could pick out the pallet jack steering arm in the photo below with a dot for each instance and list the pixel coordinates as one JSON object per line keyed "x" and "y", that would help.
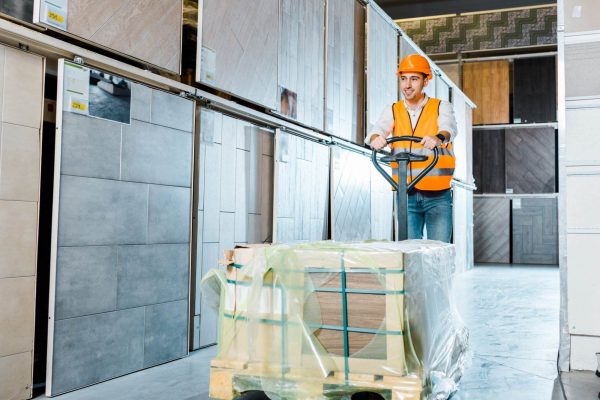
{"x": 402, "y": 187}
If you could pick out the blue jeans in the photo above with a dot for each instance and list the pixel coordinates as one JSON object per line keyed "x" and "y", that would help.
{"x": 432, "y": 210}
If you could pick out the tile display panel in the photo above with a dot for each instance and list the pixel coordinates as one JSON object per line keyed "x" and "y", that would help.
{"x": 147, "y": 30}
{"x": 382, "y": 62}
{"x": 21, "y": 104}
{"x": 234, "y": 181}
{"x": 534, "y": 100}
{"x": 301, "y": 71}
{"x": 487, "y": 85}
{"x": 361, "y": 199}
{"x": 301, "y": 211}
{"x": 344, "y": 90}
{"x": 491, "y": 228}
{"x": 240, "y": 58}
{"x": 121, "y": 234}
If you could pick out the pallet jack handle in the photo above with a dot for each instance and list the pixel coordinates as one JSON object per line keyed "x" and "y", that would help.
{"x": 403, "y": 159}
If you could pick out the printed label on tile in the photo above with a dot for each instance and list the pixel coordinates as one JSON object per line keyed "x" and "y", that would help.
{"x": 54, "y": 12}
{"x": 516, "y": 204}
{"x": 96, "y": 93}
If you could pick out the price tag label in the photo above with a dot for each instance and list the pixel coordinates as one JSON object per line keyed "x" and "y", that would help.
{"x": 76, "y": 105}
{"x": 56, "y": 17}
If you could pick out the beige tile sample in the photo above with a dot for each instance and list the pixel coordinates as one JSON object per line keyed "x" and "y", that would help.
{"x": 18, "y": 239}
{"x": 23, "y": 88}
{"x": 15, "y": 376}
{"x": 149, "y": 30}
{"x": 21, "y": 99}
{"x": 581, "y": 15}
{"x": 17, "y": 315}
{"x": 19, "y": 163}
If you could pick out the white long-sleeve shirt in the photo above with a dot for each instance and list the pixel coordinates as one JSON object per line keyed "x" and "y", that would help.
{"x": 385, "y": 123}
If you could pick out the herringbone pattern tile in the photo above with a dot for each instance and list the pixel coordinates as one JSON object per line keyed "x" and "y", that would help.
{"x": 492, "y": 229}
{"x": 531, "y": 160}
{"x": 535, "y": 232}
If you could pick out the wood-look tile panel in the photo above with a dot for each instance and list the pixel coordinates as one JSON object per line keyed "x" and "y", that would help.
{"x": 453, "y": 72}
{"x": 531, "y": 160}
{"x": 488, "y": 85}
{"x": 535, "y": 231}
{"x": 489, "y": 160}
{"x": 534, "y": 100}
{"x": 491, "y": 225}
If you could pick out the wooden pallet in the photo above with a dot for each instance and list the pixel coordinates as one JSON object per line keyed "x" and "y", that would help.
{"x": 334, "y": 313}
{"x": 228, "y": 380}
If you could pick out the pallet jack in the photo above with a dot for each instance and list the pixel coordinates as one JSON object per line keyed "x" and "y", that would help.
{"x": 402, "y": 159}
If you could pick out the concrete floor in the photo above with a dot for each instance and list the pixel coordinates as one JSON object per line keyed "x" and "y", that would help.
{"x": 512, "y": 314}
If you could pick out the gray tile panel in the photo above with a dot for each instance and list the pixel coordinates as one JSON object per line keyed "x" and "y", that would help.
{"x": 156, "y": 154}
{"x": 168, "y": 214}
{"x": 90, "y": 147}
{"x": 166, "y": 332}
{"x": 141, "y": 102}
{"x": 172, "y": 111}
{"x": 102, "y": 212}
{"x": 94, "y": 348}
{"x": 86, "y": 281}
{"x": 152, "y": 274}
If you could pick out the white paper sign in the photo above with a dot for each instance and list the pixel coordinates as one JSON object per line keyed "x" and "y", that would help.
{"x": 76, "y": 89}
{"x": 208, "y": 65}
{"x": 54, "y": 12}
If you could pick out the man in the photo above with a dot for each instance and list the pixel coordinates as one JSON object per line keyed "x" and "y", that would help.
{"x": 430, "y": 202}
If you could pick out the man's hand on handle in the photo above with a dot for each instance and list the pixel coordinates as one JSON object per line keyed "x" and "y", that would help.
{"x": 378, "y": 142}
{"x": 429, "y": 142}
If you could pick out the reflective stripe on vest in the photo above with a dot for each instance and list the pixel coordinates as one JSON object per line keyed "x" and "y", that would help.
{"x": 440, "y": 177}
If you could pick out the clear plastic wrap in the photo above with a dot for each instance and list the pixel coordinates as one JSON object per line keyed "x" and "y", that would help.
{"x": 440, "y": 338}
{"x": 326, "y": 320}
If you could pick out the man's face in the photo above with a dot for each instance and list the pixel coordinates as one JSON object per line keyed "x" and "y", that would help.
{"x": 412, "y": 85}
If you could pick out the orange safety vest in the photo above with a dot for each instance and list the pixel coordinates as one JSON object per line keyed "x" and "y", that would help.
{"x": 440, "y": 176}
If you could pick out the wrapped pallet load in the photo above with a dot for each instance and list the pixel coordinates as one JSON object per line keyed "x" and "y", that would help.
{"x": 328, "y": 320}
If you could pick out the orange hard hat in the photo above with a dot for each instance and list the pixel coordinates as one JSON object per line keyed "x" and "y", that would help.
{"x": 415, "y": 63}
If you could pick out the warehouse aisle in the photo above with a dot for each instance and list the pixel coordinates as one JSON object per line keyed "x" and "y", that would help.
{"x": 512, "y": 314}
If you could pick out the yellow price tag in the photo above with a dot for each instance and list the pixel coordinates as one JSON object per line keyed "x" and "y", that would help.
{"x": 56, "y": 17}
{"x": 75, "y": 105}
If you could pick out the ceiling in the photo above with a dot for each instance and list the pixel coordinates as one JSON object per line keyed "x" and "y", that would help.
{"x": 399, "y": 9}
